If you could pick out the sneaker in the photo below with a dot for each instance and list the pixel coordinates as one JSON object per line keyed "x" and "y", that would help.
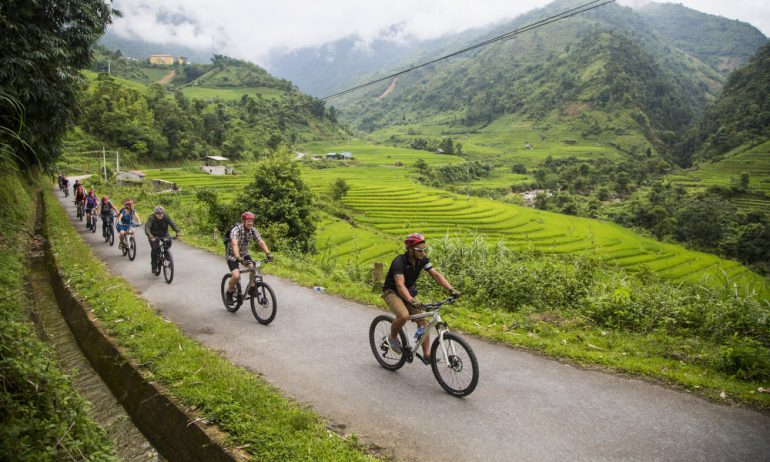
{"x": 425, "y": 359}
{"x": 229, "y": 297}
{"x": 395, "y": 345}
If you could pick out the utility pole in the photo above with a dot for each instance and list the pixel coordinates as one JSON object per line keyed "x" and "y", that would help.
{"x": 104, "y": 164}
{"x": 468, "y": 182}
{"x": 108, "y": 66}
{"x": 117, "y": 161}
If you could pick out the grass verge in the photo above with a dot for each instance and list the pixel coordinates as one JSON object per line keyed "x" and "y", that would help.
{"x": 254, "y": 415}
{"x": 42, "y": 417}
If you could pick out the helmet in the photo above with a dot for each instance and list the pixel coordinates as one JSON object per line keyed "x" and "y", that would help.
{"x": 158, "y": 209}
{"x": 248, "y": 216}
{"x": 128, "y": 202}
{"x": 92, "y": 191}
{"x": 414, "y": 239}
{"x": 105, "y": 198}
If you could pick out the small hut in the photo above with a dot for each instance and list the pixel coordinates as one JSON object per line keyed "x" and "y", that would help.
{"x": 133, "y": 177}
{"x": 215, "y": 165}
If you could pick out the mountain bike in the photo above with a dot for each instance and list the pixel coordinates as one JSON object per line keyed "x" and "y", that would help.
{"x": 128, "y": 247}
{"x": 261, "y": 295}
{"x": 80, "y": 211}
{"x": 108, "y": 230}
{"x": 452, "y": 360}
{"x": 91, "y": 221}
{"x": 165, "y": 260}
{"x": 66, "y": 190}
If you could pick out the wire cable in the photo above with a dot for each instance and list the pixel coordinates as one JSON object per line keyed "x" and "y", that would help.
{"x": 537, "y": 24}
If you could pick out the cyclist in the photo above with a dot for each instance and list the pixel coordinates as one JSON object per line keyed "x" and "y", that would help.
{"x": 61, "y": 181}
{"x": 157, "y": 227}
{"x": 80, "y": 196}
{"x": 65, "y": 186}
{"x": 105, "y": 210}
{"x": 125, "y": 218}
{"x": 91, "y": 203}
{"x": 238, "y": 249}
{"x": 76, "y": 185}
{"x": 399, "y": 290}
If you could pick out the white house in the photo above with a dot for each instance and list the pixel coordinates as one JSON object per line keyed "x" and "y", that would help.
{"x": 129, "y": 178}
{"x": 214, "y": 165}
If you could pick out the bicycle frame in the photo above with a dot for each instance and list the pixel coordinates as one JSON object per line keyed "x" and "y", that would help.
{"x": 435, "y": 321}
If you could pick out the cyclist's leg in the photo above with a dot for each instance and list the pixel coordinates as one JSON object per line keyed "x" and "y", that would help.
{"x": 235, "y": 274}
{"x": 155, "y": 249}
{"x": 250, "y": 265}
{"x": 398, "y": 307}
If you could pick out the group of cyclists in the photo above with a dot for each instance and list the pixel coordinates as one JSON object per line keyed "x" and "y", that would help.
{"x": 399, "y": 290}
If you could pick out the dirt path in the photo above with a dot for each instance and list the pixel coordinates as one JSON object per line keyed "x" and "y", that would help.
{"x": 167, "y": 78}
{"x": 526, "y": 407}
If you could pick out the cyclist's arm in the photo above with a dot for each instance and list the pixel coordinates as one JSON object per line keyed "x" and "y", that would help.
{"x": 147, "y": 227}
{"x": 138, "y": 219}
{"x": 439, "y": 278}
{"x": 263, "y": 246}
{"x": 403, "y": 292}
{"x": 236, "y": 251}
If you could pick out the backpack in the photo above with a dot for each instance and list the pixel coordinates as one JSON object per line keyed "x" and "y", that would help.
{"x": 226, "y": 235}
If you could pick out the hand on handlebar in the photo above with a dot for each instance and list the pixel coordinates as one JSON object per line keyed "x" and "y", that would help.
{"x": 269, "y": 257}
{"x": 455, "y": 293}
{"x": 416, "y": 304}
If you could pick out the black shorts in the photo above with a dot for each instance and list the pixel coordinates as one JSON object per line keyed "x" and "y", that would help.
{"x": 233, "y": 264}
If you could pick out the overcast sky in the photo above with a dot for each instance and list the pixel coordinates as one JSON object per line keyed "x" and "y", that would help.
{"x": 250, "y": 29}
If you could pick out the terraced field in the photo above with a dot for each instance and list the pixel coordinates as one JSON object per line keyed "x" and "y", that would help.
{"x": 727, "y": 172}
{"x": 386, "y": 204}
{"x": 230, "y": 94}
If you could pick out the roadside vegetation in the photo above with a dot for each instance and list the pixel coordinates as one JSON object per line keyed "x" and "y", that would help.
{"x": 42, "y": 418}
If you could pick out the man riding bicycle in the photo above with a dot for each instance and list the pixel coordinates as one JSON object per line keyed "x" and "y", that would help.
{"x": 399, "y": 290}
{"x": 105, "y": 211}
{"x": 125, "y": 219}
{"x": 157, "y": 227}
{"x": 237, "y": 249}
{"x": 80, "y": 194}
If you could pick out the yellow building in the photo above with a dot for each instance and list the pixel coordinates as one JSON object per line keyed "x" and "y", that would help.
{"x": 162, "y": 59}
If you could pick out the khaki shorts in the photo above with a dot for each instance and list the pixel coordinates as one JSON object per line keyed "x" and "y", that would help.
{"x": 397, "y": 304}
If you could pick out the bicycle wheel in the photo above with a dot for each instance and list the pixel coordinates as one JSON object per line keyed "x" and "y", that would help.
{"x": 238, "y": 300}
{"x": 80, "y": 213}
{"x": 131, "y": 248}
{"x": 168, "y": 267}
{"x": 458, "y": 372}
{"x": 379, "y": 332}
{"x": 93, "y": 223}
{"x": 263, "y": 304}
{"x": 111, "y": 232}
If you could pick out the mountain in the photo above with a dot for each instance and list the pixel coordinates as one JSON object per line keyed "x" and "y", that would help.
{"x": 742, "y": 112}
{"x": 609, "y": 60}
{"x": 721, "y": 43}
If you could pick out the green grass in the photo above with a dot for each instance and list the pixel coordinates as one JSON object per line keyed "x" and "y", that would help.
{"x": 253, "y": 414}
{"x": 231, "y": 94}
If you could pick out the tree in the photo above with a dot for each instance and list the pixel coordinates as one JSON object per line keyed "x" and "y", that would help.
{"x": 339, "y": 189}
{"x": 278, "y": 196}
{"x": 44, "y": 45}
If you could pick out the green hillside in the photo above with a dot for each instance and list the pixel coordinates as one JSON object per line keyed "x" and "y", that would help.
{"x": 722, "y": 44}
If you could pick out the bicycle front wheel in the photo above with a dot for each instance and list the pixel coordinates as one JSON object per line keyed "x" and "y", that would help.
{"x": 263, "y": 304}
{"x": 168, "y": 267}
{"x": 379, "y": 332}
{"x": 237, "y": 299}
{"x": 457, "y": 371}
{"x": 111, "y": 233}
{"x": 131, "y": 248}
{"x": 93, "y": 224}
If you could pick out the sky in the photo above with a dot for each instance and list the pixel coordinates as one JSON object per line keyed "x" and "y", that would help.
{"x": 251, "y": 29}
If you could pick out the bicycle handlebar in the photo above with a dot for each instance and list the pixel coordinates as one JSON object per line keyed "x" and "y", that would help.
{"x": 449, "y": 300}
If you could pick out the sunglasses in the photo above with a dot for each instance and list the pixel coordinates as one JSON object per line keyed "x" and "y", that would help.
{"x": 425, "y": 250}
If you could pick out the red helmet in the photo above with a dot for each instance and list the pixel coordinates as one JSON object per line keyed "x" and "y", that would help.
{"x": 414, "y": 239}
{"x": 128, "y": 202}
{"x": 248, "y": 216}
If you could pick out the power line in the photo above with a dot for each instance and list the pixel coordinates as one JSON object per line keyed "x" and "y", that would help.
{"x": 543, "y": 22}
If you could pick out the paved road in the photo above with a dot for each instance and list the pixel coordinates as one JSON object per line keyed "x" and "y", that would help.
{"x": 526, "y": 407}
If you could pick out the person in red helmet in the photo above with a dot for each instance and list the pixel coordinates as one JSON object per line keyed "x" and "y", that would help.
{"x": 400, "y": 293}
{"x": 237, "y": 249}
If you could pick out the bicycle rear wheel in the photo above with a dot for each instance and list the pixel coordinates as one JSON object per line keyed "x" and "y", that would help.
{"x": 379, "y": 332}
{"x": 131, "y": 248}
{"x": 237, "y": 299}
{"x": 263, "y": 304}
{"x": 168, "y": 267}
{"x": 458, "y": 372}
